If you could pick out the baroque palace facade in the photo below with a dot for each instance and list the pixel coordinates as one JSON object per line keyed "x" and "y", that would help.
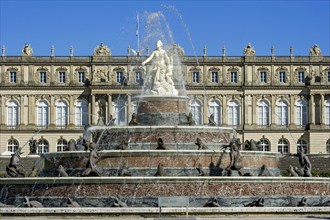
{"x": 281, "y": 101}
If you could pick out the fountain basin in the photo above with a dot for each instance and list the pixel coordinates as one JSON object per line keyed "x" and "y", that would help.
{"x": 144, "y": 191}
{"x": 175, "y": 162}
{"x": 162, "y": 110}
{"x": 146, "y": 137}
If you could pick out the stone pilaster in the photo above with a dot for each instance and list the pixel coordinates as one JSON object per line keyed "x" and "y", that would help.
{"x": 71, "y": 112}
{"x": 322, "y": 111}
{"x": 21, "y": 112}
{"x": 110, "y": 107}
{"x": 129, "y": 107}
{"x": 292, "y": 110}
{"x": 224, "y": 111}
{"x": 93, "y": 110}
{"x": 254, "y": 111}
{"x": 273, "y": 112}
{"x": 311, "y": 110}
{"x": 32, "y": 103}
{"x": 52, "y": 112}
{"x": 205, "y": 110}
{"x": 3, "y": 111}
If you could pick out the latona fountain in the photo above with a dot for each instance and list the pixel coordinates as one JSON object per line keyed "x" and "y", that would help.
{"x": 160, "y": 154}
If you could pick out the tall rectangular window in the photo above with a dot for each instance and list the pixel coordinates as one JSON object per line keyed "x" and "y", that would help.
{"x": 328, "y": 77}
{"x": 137, "y": 77}
{"x": 61, "y": 77}
{"x": 81, "y": 77}
{"x": 42, "y": 77}
{"x": 119, "y": 77}
{"x": 233, "y": 77}
{"x": 195, "y": 77}
{"x": 301, "y": 77}
{"x": 282, "y": 77}
{"x": 214, "y": 77}
{"x": 263, "y": 77}
{"x": 12, "y": 77}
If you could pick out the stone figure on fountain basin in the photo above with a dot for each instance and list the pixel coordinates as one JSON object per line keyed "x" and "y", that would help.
{"x": 235, "y": 157}
{"x": 306, "y": 166}
{"x": 160, "y": 81}
{"x": 15, "y": 167}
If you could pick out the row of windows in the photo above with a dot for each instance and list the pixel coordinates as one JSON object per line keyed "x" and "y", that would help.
{"x": 233, "y": 113}
{"x": 62, "y": 145}
{"x": 62, "y": 110}
{"x": 263, "y": 112}
{"x": 62, "y": 77}
{"x": 263, "y": 77}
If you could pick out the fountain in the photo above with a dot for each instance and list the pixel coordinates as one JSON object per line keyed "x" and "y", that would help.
{"x": 160, "y": 154}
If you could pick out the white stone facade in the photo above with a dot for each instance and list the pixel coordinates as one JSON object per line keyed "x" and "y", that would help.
{"x": 284, "y": 100}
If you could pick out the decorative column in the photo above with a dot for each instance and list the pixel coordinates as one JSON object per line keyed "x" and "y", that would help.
{"x": 52, "y": 107}
{"x": 273, "y": 111}
{"x": 31, "y": 110}
{"x": 254, "y": 111}
{"x": 292, "y": 122}
{"x": 205, "y": 110}
{"x": 110, "y": 109}
{"x": 21, "y": 118}
{"x": 129, "y": 107}
{"x": 71, "y": 112}
{"x": 3, "y": 111}
{"x": 93, "y": 111}
{"x": 311, "y": 110}
{"x": 224, "y": 112}
{"x": 322, "y": 111}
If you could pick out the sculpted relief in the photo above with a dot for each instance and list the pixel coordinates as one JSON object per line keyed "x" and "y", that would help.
{"x": 100, "y": 74}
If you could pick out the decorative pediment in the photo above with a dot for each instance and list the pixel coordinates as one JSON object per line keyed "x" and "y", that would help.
{"x": 101, "y": 50}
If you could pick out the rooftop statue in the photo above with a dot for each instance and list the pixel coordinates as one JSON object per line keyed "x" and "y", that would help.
{"x": 101, "y": 50}
{"x": 249, "y": 50}
{"x": 27, "y": 50}
{"x": 315, "y": 50}
{"x": 160, "y": 81}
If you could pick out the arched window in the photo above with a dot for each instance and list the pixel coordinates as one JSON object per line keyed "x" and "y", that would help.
{"x": 12, "y": 145}
{"x": 328, "y": 147}
{"x": 42, "y": 114}
{"x": 301, "y": 113}
{"x": 302, "y": 144}
{"x": 195, "y": 109}
{"x": 120, "y": 112}
{"x": 233, "y": 113}
{"x": 327, "y": 112}
{"x": 214, "y": 108}
{"x": 282, "y": 113}
{"x": 264, "y": 144}
{"x": 61, "y": 114}
{"x": 283, "y": 145}
{"x": 81, "y": 113}
{"x": 263, "y": 113}
{"x": 62, "y": 145}
{"x": 43, "y": 146}
{"x": 12, "y": 114}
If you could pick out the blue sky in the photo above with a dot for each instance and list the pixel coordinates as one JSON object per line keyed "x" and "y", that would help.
{"x": 193, "y": 24}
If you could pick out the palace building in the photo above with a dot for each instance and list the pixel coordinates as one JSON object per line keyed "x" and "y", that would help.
{"x": 281, "y": 101}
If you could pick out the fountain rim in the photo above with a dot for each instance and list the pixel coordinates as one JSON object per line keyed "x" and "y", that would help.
{"x": 162, "y": 179}
{"x": 158, "y": 97}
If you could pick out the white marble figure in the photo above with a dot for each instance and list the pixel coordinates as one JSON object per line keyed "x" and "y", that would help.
{"x": 161, "y": 73}
{"x": 27, "y": 50}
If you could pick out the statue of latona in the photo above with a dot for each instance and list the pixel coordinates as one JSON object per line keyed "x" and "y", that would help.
{"x": 160, "y": 81}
